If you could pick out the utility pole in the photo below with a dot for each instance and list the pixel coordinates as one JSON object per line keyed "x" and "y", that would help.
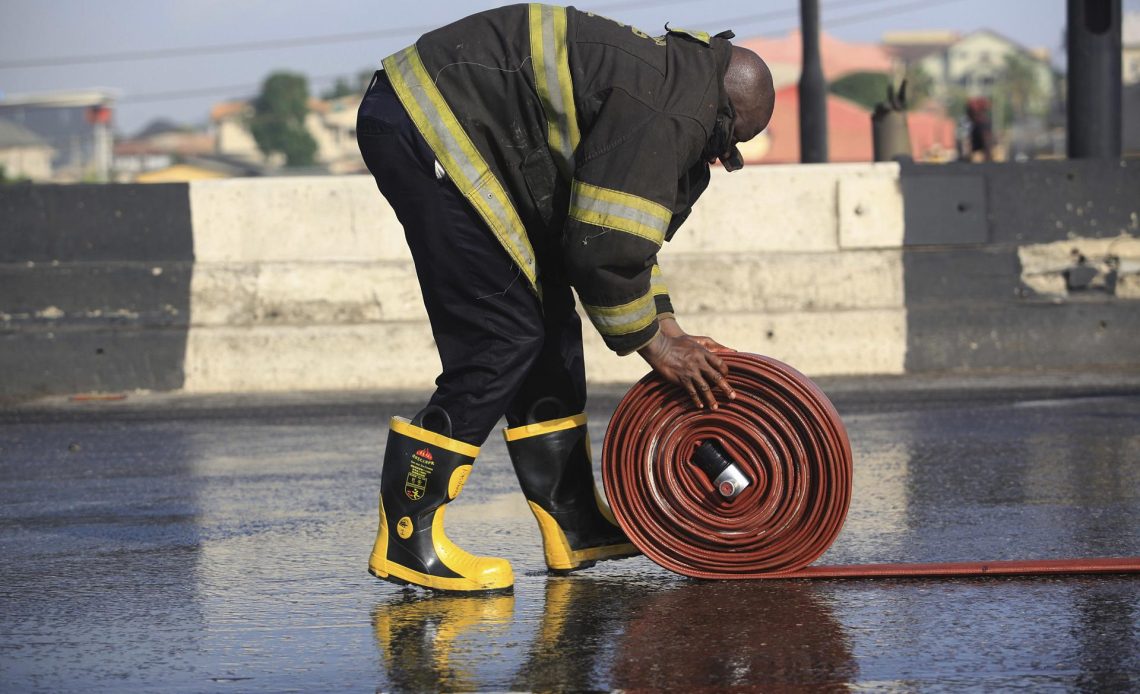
{"x": 813, "y": 89}
{"x": 1094, "y": 100}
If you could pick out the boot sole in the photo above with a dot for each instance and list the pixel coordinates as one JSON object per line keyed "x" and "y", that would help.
{"x": 590, "y": 563}
{"x": 401, "y": 582}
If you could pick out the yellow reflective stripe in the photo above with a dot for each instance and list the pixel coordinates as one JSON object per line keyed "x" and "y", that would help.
{"x": 458, "y": 155}
{"x": 552, "y": 80}
{"x": 657, "y": 282}
{"x": 539, "y": 428}
{"x": 617, "y": 210}
{"x": 404, "y": 427}
{"x": 702, "y": 36}
{"x": 625, "y": 319}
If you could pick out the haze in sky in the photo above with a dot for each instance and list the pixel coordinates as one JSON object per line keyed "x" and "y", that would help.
{"x": 183, "y": 87}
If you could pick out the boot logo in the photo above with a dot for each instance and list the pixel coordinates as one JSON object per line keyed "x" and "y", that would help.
{"x": 415, "y": 485}
{"x": 404, "y": 527}
{"x": 419, "y": 468}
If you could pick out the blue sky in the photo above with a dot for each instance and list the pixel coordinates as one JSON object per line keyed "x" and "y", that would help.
{"x": 150, "y": 88}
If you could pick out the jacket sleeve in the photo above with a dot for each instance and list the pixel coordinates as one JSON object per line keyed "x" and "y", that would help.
{"x": 621, "y": 205}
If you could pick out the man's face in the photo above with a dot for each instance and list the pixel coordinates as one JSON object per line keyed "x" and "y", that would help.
{"x": 743, "y": 129}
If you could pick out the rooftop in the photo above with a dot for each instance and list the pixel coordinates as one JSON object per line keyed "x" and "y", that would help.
{"x": 90, "y": 97}
{"x": 16, "y": 135}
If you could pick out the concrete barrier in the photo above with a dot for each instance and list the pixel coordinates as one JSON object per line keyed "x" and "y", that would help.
{"x": 306, "y": 283}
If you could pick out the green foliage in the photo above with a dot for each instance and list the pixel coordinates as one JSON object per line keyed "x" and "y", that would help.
{"x": 278, "y": 122}
{"x": 955, "y": 102}
{"x": 1018, "y": 82}
{"x": 919, "y": 86}
{"x": 346, "y": 87}
{"x": 864, "y": 88}
{"x": 5, "y": 179}
{"x": 340, "y": 88}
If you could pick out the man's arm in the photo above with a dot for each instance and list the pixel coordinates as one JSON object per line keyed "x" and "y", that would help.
{"x": 620, "y": 210}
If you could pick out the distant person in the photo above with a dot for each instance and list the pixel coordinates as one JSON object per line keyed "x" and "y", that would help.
{"x": 531, "y": 152}
{"x": 981, "y": 130}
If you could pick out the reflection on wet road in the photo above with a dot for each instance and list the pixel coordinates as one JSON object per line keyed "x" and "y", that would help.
{"x": 225, "y": 550}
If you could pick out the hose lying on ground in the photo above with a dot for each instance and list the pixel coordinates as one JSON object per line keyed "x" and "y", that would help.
{"x": 756, "y": 489}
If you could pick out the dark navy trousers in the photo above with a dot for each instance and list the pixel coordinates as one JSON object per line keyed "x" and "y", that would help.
{"x": 502, "y": 349}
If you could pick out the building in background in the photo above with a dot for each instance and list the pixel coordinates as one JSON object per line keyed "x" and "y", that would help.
{"x": 1130, "y": 48}
{"x": 1130, "y": 69}
{"x": 76, "y": 125}
{"x": 975, "y": 64}
{"x": 910, "y": 47}
{"x": 200, "y": 168}
{"x": 848, "y": 123}
{"x": 24, "y": 155}
{"x": 848, "y": 133}
{"x": 785, "y": 55}
{"x": 1019, "y": 85}
{"x": 331, "y": 123}
{"x": 159, "y": 145}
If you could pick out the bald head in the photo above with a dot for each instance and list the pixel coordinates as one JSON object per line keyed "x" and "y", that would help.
{"x": 748, "y": 82}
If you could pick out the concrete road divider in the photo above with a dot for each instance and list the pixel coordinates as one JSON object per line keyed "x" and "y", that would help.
{"x": 306, "y": 284}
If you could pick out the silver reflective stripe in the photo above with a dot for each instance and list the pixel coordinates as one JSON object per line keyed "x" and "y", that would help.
{"x": 458, "y": 155}
{"x": 624, "y": 319}
{"x": 614, "y": 209}
{"x": 566, "y": 147}
{"x": 637, "y": 221}
{"x": 553, "y": 82}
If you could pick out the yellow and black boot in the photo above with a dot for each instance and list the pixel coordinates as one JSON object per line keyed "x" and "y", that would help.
{"x": 552, "y": 461}
{"x": 423, "y": 471}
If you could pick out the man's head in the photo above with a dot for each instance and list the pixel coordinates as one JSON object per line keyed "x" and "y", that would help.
{"x": 748, "y": 83}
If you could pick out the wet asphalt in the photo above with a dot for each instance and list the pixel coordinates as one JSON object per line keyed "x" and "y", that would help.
{"x": 220, "y": 545}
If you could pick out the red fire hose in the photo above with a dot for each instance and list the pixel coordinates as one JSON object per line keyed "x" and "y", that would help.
{"x": 756, "y": 489}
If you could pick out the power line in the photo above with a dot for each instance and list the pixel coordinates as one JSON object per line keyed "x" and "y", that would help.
{"x": 217, "y": 49}
{"x": 887, "y": 12}
{"x": 210, "y": 91}
{"x": 765, "y": 17}
{"x": 744, "y": 20}
{"x": 253, "y": 46}
{"x": 302, "y": 41}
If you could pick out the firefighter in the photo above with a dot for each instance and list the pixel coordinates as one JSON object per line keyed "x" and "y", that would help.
{"x": 529, "y": 152}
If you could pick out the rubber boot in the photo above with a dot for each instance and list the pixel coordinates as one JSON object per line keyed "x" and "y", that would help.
{"x": 423, "y": 471}
{"x": 552, "y": 461}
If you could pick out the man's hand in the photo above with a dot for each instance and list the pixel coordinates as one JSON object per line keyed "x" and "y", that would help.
{"x": 689, "y": 361}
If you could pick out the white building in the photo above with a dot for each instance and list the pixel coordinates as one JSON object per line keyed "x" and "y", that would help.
{"x": 23, "y": 154}
{"x": 973, "y": 62}
{"x": 76, "y": 125}
{"x": 1130, "y": 50}
{"x": 332, "y": 125}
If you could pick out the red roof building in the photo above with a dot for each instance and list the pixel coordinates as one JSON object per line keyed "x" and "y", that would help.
{"x": 848, "y": 132}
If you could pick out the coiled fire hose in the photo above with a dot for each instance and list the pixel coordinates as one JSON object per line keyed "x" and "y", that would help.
{"x": 756, "y": 489}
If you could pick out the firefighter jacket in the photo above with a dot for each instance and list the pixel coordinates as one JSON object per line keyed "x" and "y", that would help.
{"x": 580, "y": 141}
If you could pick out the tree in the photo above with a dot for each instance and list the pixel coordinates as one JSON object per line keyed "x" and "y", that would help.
{"x": 346, "y": 87}
{"x": 864, "y": 88}
{"x": 340, "y": 88}
{"x": 1018, "y": 82}
{"x": 919, "y": 86}
{"x": 278, "y": 122}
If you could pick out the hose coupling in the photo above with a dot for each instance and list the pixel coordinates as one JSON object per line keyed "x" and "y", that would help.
{"x": 726, "y": 476}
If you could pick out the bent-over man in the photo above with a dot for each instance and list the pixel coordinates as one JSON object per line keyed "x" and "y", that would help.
{"x": 531, "y": 152}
